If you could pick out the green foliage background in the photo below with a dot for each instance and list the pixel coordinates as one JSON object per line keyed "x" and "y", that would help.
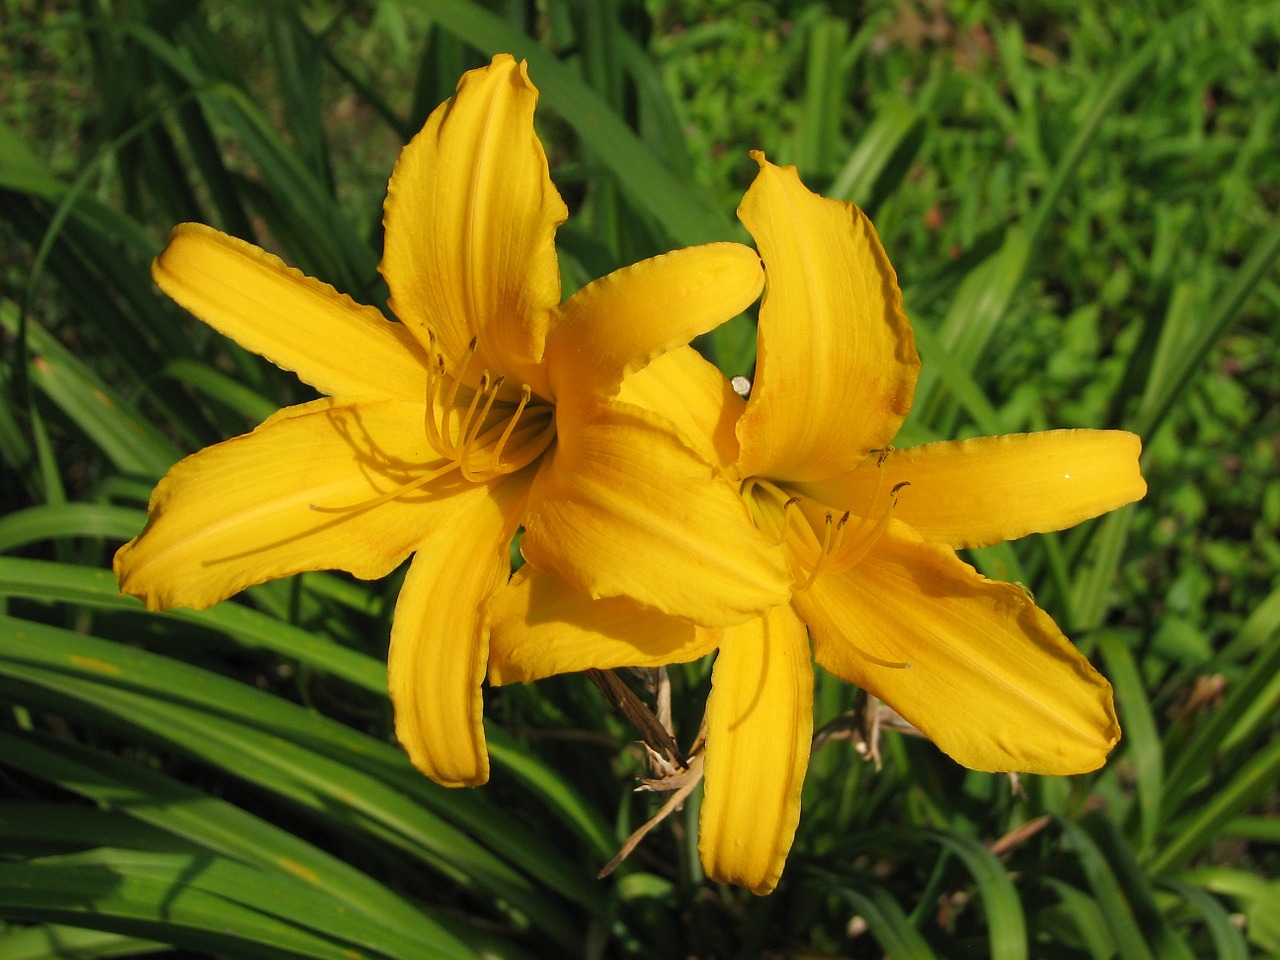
{"x": 1081, "y": 202}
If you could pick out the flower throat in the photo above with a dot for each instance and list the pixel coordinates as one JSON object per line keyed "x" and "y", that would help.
{"x": 819, "y": 540}
{"x": 483, "y": 431}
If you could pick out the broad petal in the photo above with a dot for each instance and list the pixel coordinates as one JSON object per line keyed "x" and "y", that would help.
{"x": 836, "y": 365}
{"x": 973, "y": 493}
{"x": 470, "y": 217}
{"x": 759, "y": 725}
{"x": 989, "y": 677}
{"x": 440, "y": 636}
{"x": 542, "y": 627}
{"x": 242, "y": 512}
{"x": 340, "y": 347}
{"x": 690, "y": 392}
{"x": 620, "y": 322}
{"x": 622, "y": 506}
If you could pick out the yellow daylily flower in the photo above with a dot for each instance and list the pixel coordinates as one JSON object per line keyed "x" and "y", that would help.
{"x": 871, "y": 534}
{"x": 440, "y": 433}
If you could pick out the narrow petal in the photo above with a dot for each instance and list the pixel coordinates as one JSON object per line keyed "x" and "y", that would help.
{"x": 331, "y": 342}
{"x": 759, "y": 725}
{"x": 242, "y": 512}
{"x": 623, "y": 507}
{"x": 440, "y": 636}
{"x": 470, "y": 217}
{"x": 973, "y": 493}
{"x": 620, "y": 322}
{"x": 542, "y": 627}
{"x": 690, "y": 392}
{"x": 837, "y": 365}
{"x": 989, "y": 677}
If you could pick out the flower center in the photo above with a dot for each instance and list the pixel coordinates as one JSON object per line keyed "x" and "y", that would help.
{"x": 818, "y": 539}
{"x": 483, "y": 432}
{"x": 488, "y": 430}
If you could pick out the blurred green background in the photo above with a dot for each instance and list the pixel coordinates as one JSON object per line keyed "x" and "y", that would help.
{"x": 1081, "y": 203}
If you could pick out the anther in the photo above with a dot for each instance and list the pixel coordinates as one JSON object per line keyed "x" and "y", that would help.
{"x": 469, "y": 431}
{"x": 832, "y": 530}
{"x": 786, "y": 518}
{"x": 436, "y": 433}
{"x": 861, "y": 546}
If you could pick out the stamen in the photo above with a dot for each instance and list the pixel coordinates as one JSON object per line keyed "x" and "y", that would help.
{"x": 786, "y": 518}
{"x": 457, "y": 377}
{"x": 525, "y": 395}
{"x": 474, "y": 440}
{"x": 481, "y": 454}
{"x": 488, "y": 404}
{"x": 436, "y": 436}
{"x": 860, "y": 547}
{"x": 464, "y": 427}
{"x": 529, "y": 450}
{"x": 875, "y": 494}
{"x": 823, "y": 561}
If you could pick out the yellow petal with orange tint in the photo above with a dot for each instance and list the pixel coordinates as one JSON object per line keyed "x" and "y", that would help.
{"x": 243, "y": 511}
{"x": 622, "y": 506}
{"x": 973, "y": 493}
{"x": 836, "y": 364}
{"x": 759, "y": 725}
{"x": 541, "y": 627}
{"x": 440, "y": 635}
{"x": 988, "y": 676}
{"x": 331, "y": 342}
{"x": 695, "y": 397}
{"x": 470, "y": 217}
{"x": 619, "y": 323}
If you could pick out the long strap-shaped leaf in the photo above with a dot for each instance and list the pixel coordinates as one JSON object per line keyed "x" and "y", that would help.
{"x": 94, "y": 587}
{"x": 193, "y": 821}
{"x": 198, "y": 901}
{"x": 359, "y": 784}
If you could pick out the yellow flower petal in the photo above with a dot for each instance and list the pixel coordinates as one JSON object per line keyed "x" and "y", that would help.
{"x": 972, "y": 493}
{"x": 759, "y": 725}
{"x": 470, "y": 218}
{"x": 990, "y": 678}
{"x": 440, "y": 636}
{"x": 620, "y": 322}
{"x": 695, "y": 397}
{"x": 837, "y": 364}
{"x": 331, "y": 342}
{"x": 623, "y": 507}
{"x": 240, "y": 512}
{"x": 541, "y": 627}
